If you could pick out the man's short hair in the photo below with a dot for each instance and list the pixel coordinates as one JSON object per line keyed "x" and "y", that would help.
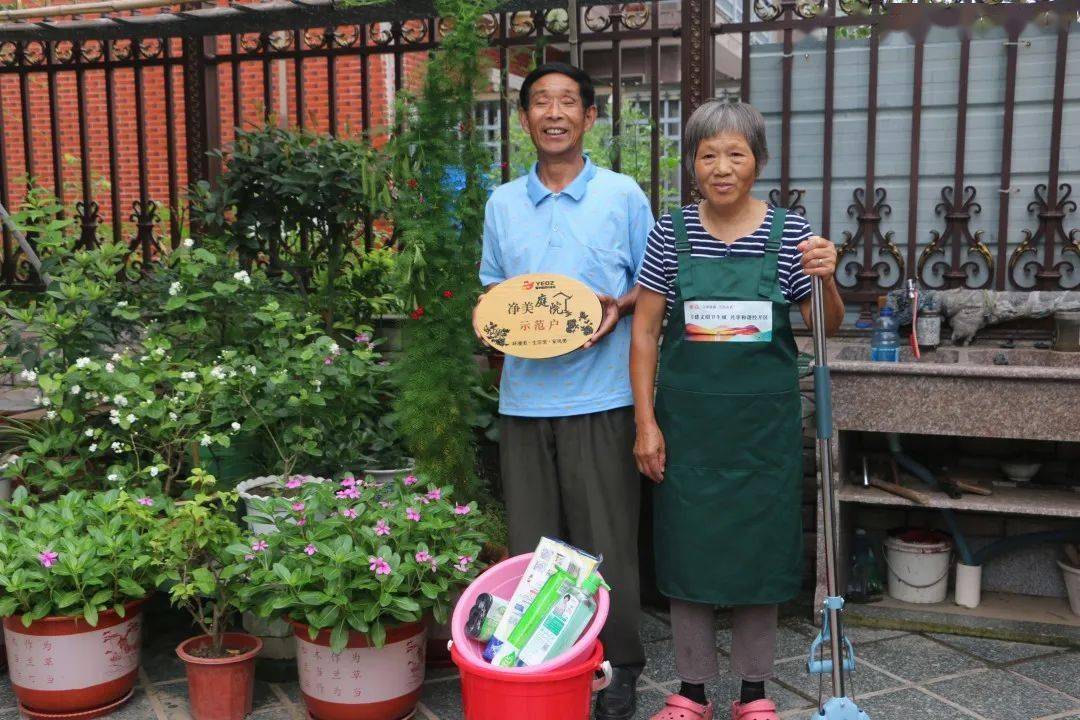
{"x": 585, "y": 83}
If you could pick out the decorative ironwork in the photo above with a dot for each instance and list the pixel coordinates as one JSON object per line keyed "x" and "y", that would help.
{"x": 89, "y": 216}
{"x": 1048, "y": 274}
{"x": 867, "y": 272}
{"x": 92, "y": 50}
{"x": 769, "y": 10}
{"x": 64, "y": 52}
{"x": 793, "y": 202}
{"x": 144, "y": 246}
{"x": 9, "y": 54}
{"x": 955, "y": 273}
{"x": 557, "y": 21}
{"x": 523, "y": 23}
{"x": 407, "y": 32}
{"x": 35, "y": 53}
{"x": 123, "y": 49}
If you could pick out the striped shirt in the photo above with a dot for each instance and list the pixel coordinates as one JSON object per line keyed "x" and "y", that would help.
{"x": 660, "y": 266}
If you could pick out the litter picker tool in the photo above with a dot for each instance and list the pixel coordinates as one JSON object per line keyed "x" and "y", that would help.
{"x": 841, "y": 657}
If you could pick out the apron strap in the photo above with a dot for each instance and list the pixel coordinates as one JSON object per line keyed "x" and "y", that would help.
{"x": 769, "y": 263}
{"x": 685, "y": 278}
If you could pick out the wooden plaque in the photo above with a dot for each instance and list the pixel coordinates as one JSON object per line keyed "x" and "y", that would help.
{"x": 540, "y": 315}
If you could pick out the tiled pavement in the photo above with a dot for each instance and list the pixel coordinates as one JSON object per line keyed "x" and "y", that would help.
{"x": 901, "y": 676}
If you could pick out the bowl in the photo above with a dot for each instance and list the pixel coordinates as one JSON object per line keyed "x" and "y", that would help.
{"x": 1020, "y": 470}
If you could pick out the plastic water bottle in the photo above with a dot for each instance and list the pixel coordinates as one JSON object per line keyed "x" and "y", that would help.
{"x": 885, "y": 342}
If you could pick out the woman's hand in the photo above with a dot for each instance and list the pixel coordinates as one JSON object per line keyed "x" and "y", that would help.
{"x": 649, "y": 451}
{"x": 818, "y": 257}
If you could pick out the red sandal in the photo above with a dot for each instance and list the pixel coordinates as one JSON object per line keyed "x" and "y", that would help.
{"x": 679, "y": 708}
{"x": 756, "y": 710}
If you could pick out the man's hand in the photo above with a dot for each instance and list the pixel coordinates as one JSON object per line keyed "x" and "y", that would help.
{"x": 610, "y": 308}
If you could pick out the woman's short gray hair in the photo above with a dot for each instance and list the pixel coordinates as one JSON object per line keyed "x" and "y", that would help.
{"x": 716, "y": 117}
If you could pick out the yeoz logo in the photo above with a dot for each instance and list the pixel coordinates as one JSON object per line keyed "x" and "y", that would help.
{"x": 538, "y": 285}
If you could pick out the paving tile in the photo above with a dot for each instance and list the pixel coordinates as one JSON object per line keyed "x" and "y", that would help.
{"x": 917, "y": 658}
{"x": 864, "y": 680}
{"x": 277, "y": 712}
{"x": 138, "y": 708}
{"x": 996, "y": 651}
{"x": 161, "y": 664}
{"x": 660, "y": 661}
{"x": 726, "y": 689}
{"x": 12, "y": 714}
{"x": 654, "y": 628}
{"x": 1061, "y": 671}
{"x": 440, "y": 673}
{"x": 7, "y": 695}
{"x": 909, "y": 703}
{"x": 1000, "y": 695}
{"x": 650, "y": 702}
{"x": 444, "y": 699}
{"x": 858, "y": 634}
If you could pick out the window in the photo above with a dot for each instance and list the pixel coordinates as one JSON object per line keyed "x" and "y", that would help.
{"x": 489, "y": 127}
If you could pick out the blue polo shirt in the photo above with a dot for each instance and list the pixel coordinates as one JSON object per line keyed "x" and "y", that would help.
{"x": 594, "y": 231}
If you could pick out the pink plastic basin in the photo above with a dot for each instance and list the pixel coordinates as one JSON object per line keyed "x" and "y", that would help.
{"x": 501, "y": 580}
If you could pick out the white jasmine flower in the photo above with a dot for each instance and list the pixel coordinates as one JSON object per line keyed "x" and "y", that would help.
{"x": 115, "y": 357}
{"x": 335, "y": 349}
{"x": 122, "y": 304}
{"x": 159, "y": 352}
{"x": 251, "y": 369}
{"x": 153, "y": 471}
{"x": 109, "y": 367}
{"x": 206, "y": 440}
{"x": 173, "y": 416}
{"x": 116, "y": 447}
{"x": 28, "y": 376}
{"x": 131, "y": 418}
{"x": 188, "y": 375}
{"x": 235, "y": 425}
{"x": 82, "y": 362}
{"x": 217, "y": 372}
{"x": 120, "y": 400}
{"x": 114, "y": 417}
{"x": 174, "y": 289}
{"x": 93, "y": 447}
{"x": 75, "y": 389}
{"x": 113, "y": 477}
{"x": 188, "y": 242}
{"x": 89, "y": 432}
{"x": 51, "y": 415}
{"x": 45, "y": 402}
{"x": 242, "y": 276}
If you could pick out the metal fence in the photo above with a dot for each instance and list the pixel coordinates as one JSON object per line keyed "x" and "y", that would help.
{"x": 128, "y": 106}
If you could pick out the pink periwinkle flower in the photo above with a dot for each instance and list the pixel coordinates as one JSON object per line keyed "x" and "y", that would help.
{"x": 301, "y": 522}
{"x": 412, "y": 514}
{"x": 328, "y": 360}
{"x": 145, "y": 502}
{"x": 462, "y": 509}
{"x": 349, "y": 492}
{"x": 48, "y": 558}
{"x": 382, "y": 528}
{"x": 385, "y": 504}
{"x": 434, "y": 494}
{"x": 298, "y": 506}
{"x": 410, "y": 480}
{"x": 348, "y": 481}
{"x": 422, "y": 556}
{"x": 311, "y": 550}
{"x": 294, "y": 482}
{"x": 378, "y": 566}
{"x": 349, "y": 513}
{"x": 363, "y": 337}
{"x": 259, "y": 545}
{"x": 434, "y": 564}
{"x": 249, "y": 556}
{"x": 463, "y": 562}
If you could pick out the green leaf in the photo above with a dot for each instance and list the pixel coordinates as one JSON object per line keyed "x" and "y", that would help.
{"x": 204, "y": 581}
{"x": 131, "y": 588}
{"x": 339, "y": 637}
{"x": 378, "y": 635}
{"x": 91, "y": 614}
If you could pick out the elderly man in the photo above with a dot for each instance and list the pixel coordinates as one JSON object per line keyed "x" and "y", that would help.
{"x": 567, "y": 426}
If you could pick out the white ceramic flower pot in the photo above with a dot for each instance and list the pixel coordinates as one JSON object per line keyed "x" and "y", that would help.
{"x": 385, "y": 476}
{"x": 1071, "y": 575}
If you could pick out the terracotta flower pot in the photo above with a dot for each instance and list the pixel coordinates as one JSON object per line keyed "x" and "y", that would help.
{"x": 62, "y": 665}
{"x": 221, "y": 688}
{"x": 362, "y": 682}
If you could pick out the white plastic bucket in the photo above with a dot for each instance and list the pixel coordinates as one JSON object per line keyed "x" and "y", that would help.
{"x": 968, "y": 585}
{"x": 1071, "y": 575}
{"x": 918, "y": 565}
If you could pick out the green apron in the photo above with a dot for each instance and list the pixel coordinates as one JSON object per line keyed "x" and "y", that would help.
{"x": 728, "y": 513}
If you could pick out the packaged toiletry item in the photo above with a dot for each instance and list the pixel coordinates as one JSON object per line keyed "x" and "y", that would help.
{"x": 507, "y": 654}
{"x": 550, "y": 555}
{"x": 563, "y": 624}
{"x": 484, "y": 617}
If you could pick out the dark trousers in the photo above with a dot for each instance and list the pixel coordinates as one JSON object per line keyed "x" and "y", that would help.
{"x": 574, "y": 478}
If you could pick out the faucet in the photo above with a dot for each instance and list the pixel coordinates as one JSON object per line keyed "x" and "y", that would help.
{"x": 913, "y": 296}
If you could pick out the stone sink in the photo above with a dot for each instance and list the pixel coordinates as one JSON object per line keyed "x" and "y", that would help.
{"x": 1024, "y": 392}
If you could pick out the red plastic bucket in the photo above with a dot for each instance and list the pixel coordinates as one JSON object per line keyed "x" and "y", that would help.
{"x": 490, "y": 693}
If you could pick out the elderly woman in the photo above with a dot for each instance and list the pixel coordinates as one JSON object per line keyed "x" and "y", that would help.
{"x": 722, "y": 439}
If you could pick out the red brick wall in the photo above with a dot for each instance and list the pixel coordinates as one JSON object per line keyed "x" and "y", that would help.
{"x": 316, "y": 116}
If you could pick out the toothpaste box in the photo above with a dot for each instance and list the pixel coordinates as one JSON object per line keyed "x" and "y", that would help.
{"x": 550, "y": 555}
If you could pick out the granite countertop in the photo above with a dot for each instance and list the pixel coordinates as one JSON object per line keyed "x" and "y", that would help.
{"x": 1023, "y": 363}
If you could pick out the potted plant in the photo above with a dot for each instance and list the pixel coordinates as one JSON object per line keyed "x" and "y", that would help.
{"x": 193, "y": 552}
{"x": 355, "y": 570}
{"x": 74, "y": 573}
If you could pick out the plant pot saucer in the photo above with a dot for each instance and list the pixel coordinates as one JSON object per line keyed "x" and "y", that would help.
{"x": 407, "y": 716}
{"x": 80, "y": 715}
